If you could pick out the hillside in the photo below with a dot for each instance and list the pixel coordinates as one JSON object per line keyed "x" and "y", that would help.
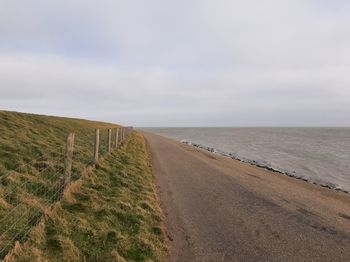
{"x": 110, "y": 214}
{"x": 24, "y": 137}
{"x": 31, "y": 185}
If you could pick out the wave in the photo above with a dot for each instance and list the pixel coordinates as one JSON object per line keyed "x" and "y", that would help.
{"x": 265, "y": 166}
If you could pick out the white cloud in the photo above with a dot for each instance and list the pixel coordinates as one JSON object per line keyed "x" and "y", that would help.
{"x": 178, "y": 63}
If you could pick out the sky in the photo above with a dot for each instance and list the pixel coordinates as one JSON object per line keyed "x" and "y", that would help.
{"x": 178, "y": 63}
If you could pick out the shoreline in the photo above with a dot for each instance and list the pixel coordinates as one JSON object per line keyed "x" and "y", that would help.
{"x": 235, "y": 156}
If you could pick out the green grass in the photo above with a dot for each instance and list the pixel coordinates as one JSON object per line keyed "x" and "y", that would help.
{"x": 31, "y": 167}
{"x": 24, "y": 137}
{"x": 28, "y": 187}
{"x": 110, "y": 214}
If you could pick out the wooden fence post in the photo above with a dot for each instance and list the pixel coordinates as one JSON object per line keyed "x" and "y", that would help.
{"x": 116, "y": 137}
{"x": 97, "y": 145}
{"x": 109, "y": 147}
{"x": 68, "y": 159}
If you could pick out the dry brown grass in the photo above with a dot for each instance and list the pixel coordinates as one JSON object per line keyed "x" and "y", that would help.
{"x": 31, "y": 165}
{"x": 110, "y": 214}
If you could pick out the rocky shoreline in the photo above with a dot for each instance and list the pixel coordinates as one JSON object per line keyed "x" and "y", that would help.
{"x": 264, "y": 166}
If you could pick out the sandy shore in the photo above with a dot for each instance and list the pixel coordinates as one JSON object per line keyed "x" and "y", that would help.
{"x": 219, "y": 209}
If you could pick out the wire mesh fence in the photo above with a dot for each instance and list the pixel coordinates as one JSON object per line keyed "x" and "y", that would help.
{"x": 25, "y": 193}
{"x": 28, "y": 190}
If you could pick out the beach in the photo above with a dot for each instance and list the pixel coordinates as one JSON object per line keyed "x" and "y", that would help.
{"x": 220, "y": 209}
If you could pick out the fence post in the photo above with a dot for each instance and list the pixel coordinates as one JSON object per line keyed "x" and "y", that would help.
{"x": 109, "y": 147}
{"x": 68, "y": 159}
{"x": 97, "y": 145}
{"x": 116, "y": 137}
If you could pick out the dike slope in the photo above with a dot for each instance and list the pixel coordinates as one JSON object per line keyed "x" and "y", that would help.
{"x": 110, "y": 214}
{"x": 110, "y": 211}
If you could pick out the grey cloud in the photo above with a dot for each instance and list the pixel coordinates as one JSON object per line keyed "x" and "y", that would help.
{"x": 178, "y": 63}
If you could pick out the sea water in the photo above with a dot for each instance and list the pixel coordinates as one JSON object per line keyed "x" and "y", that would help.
{"x": 320, "y": 155}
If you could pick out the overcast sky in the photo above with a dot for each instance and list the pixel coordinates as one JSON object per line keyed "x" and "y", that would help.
{"x": 178, "y": 63}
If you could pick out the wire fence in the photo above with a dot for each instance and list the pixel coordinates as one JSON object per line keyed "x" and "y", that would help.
{"x": 27, "y": 191}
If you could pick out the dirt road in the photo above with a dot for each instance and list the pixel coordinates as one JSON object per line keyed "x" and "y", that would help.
{"x": 218, "y": 209}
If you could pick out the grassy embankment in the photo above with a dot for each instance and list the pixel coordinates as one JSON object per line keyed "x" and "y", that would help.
{"x": 32, "y": 146}
{"x": 110, "y": 213}
{"x": 24, "y": 137}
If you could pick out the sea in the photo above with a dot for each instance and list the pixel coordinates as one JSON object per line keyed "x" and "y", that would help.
{"x": 318, "y": 155}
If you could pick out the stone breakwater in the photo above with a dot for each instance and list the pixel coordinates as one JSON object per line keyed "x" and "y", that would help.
{"x": 264, "y": 166}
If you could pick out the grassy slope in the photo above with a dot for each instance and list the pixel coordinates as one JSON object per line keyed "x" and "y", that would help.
{"x": 24, "y": 137}
{"x": 110, "y": 214}
{"x": 25, "y": 194}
